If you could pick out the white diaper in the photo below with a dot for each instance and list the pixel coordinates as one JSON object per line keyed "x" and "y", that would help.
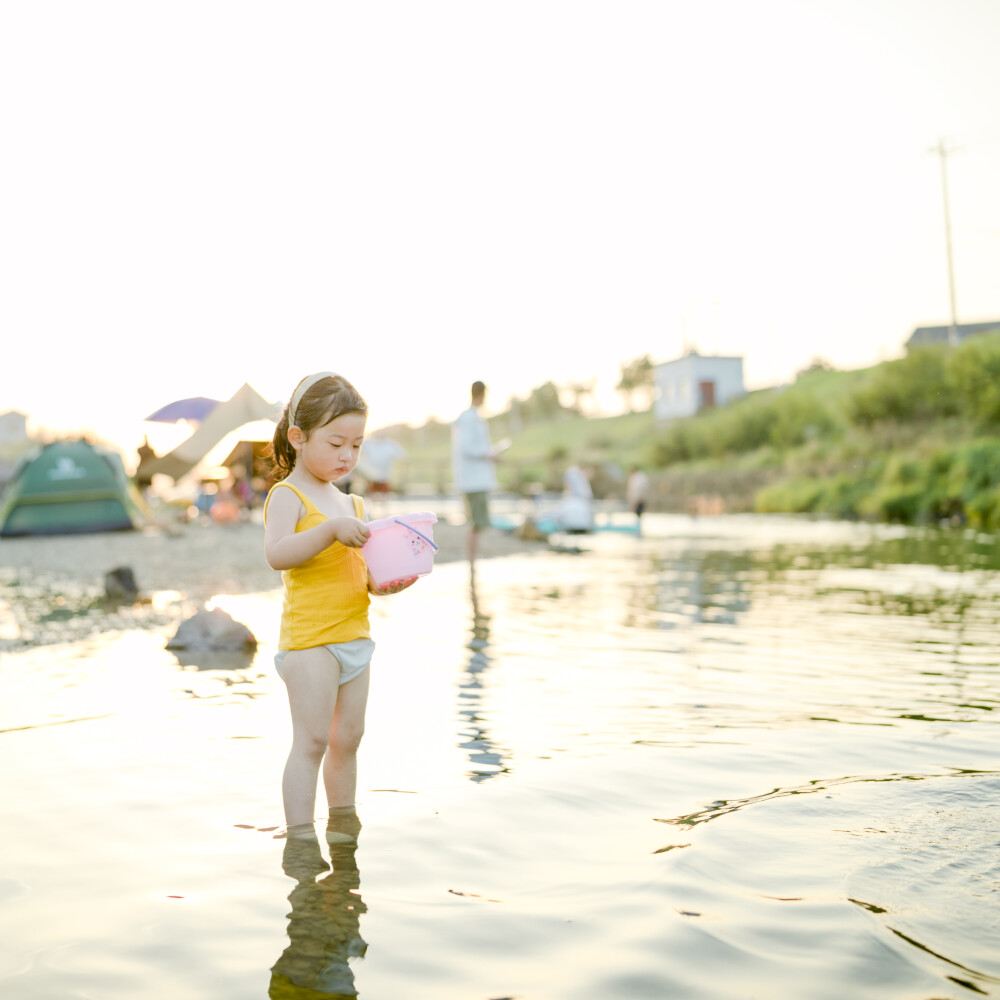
{"x": 353, "y": 656}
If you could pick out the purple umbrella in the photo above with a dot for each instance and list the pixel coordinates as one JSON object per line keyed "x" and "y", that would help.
{"x": 195, "y": 408}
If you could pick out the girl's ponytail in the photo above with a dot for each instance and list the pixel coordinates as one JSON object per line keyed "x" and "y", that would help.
{"x": 282, "y": 452}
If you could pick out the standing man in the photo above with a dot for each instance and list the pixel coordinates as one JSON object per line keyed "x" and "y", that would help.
{"x": 473, "y": 459}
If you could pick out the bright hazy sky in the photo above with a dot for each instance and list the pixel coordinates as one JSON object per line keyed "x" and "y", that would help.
{"x": 419, "y": 194}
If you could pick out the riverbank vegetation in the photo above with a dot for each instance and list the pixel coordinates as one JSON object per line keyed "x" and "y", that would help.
{"x": 916, "y": 440}
{"x": 913, "y": 440}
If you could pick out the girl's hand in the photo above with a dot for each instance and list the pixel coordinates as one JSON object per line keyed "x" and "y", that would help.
{"x": 390, "y": 588}
{"x": 349, "y": 531}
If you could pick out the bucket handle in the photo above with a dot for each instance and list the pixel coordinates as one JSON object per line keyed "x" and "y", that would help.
{"x": 420, "y": 533}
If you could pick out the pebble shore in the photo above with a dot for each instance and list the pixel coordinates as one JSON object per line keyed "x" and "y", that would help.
{"x": 52, "y": 588}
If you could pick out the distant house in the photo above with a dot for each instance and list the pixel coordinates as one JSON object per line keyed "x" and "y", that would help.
{"x": 925, "y": 336}
{"x": 694, "y": 382}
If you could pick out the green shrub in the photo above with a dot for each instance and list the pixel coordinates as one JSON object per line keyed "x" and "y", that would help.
{"x": 912, "y": 388}
{"x": 932, "y": 383}
{"x": 844, "y": 495}
{"x": 975, "y": 467}
{"x": 769, "y": 418}
{"x": 973, "y": 481}
{"x": 903, "y": 503}
{"x": 972, "y": 375}
{"x": 983, "y": 510}
{"x": 923, "y": 485}
{"x": 794, "y": 496}
{"x": 671, "y": 445}
{"x": 901, "y": 495}
{"x": 797, "y": 417}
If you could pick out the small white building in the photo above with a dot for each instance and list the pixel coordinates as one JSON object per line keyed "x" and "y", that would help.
{"x": 13, "y": 427}
{"x": 695, "y": 382}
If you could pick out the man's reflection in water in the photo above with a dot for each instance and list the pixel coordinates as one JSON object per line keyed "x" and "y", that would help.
{"x": 323, "y": 927}
{"x": 485, "y": 758}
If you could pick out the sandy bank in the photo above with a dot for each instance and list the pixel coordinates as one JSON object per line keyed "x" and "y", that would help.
{"x": 52, "y": 588}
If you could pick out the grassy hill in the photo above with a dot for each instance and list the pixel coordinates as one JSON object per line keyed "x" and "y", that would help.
{"x": 912, "y": 440}
{"x": 539, "y": 452}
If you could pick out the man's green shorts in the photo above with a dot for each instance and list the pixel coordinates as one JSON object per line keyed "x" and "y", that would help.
{"x": 477, "y": 506}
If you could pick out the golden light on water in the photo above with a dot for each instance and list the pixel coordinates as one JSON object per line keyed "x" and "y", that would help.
{"x": 697, "y": 751}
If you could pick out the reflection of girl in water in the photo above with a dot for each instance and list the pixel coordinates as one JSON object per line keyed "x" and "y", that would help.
{"x": 323, "y": 927}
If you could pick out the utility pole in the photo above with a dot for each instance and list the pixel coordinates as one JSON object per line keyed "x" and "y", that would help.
{"x": 942, "y": 150}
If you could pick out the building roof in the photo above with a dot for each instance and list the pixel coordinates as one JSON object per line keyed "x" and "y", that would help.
{"x": 924, "y": 336}
{"x": 702, "y": 357}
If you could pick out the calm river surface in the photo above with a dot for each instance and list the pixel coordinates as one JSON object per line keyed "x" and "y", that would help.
{"x": 738, "y": 757}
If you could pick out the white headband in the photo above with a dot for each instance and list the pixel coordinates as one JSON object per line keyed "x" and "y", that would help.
{"x": 301, "y": 389}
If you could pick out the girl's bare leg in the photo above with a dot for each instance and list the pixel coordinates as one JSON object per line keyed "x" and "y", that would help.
{"x": 340, "y": 766}
{"x": 312, "y": 678}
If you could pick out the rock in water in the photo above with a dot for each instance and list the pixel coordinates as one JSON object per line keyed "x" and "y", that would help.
{"x": 120, "y": 585}
{"x": 212, "y": 630}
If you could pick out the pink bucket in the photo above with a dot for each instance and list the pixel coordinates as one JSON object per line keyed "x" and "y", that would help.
{"x": 400, "y": 547}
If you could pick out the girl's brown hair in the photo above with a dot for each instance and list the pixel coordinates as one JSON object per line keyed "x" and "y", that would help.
{"x": 322, "y": 402}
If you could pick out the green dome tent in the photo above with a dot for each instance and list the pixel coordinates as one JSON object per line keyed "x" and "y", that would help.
{"x": 70, "y": 487}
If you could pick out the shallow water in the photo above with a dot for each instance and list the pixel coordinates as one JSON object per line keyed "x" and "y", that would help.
{"x": 735, "y": 758}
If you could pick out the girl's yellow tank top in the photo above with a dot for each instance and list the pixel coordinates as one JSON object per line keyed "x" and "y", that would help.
{"x": 326, "y": 598}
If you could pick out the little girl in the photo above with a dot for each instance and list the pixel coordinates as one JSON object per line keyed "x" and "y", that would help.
{"x": 313, "y": 534}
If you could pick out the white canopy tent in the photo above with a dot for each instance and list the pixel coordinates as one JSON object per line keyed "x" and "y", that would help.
{"x": 247, "y": 417}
